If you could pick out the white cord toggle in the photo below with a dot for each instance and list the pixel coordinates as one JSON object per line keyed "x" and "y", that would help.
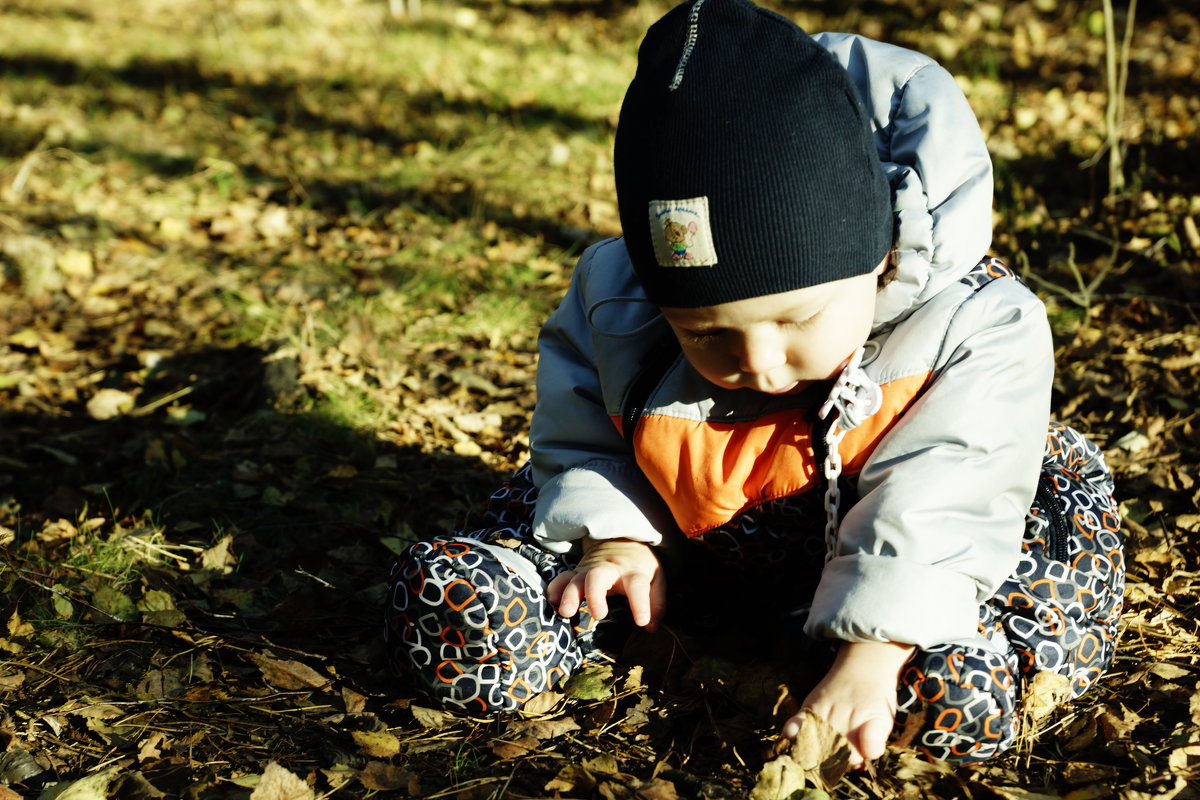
{"x": 856, "y": 397}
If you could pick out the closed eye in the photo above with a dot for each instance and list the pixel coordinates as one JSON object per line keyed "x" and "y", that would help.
{"x": 706, "y": 336}
{"x": 711, "y": 335}
{"x": 800, "y": 323}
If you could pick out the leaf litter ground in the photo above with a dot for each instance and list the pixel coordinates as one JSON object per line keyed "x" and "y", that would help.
{"x": 271, "y": 280}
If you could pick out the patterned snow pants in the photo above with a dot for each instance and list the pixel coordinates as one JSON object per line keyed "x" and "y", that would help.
{"x": 468, "y": 622}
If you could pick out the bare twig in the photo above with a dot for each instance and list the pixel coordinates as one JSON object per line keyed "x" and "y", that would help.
{"x": 1086, "y": 293}
{"x": 1117, "y": 78}
{"x": 154, "y": 405}
{"x": 35, "y": 156}
{"x": 474, "y": 783}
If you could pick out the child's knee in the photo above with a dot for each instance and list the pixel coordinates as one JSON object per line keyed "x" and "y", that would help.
{"x": 957, "y": 703}
{"x": 472, "y": 627}
{"x": 1075, "y": 503}
{"x": 1061, "y": 606}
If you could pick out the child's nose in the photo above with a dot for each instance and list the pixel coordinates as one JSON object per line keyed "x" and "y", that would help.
{"x": 761, "y": 352}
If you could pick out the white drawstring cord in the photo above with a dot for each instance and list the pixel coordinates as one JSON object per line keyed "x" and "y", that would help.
{"x": 856, "y": 397}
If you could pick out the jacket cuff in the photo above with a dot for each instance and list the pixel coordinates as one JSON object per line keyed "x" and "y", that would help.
{"x": 870, "y": 598}
{"x": 598, "y": 500}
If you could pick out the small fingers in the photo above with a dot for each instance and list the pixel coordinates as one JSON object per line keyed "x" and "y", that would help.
{"x": 565, "y": 594}
{"x": 555, "y": 588}
{"x": 867, "y": 740}
{"x": 637, "y": 592}
{"x": 596, "y": 585}
{"x": 871, "y": 737}
{"x": 658, "y": 600}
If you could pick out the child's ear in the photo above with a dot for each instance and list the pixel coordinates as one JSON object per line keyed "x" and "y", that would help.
{"x": 886, "y": 269}
{"x": 884, "y": 265}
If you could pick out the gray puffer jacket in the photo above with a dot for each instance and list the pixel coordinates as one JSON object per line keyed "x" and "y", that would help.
{"x": 945, "y": 470}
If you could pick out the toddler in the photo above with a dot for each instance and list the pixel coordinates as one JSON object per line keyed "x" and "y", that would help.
{"x": 799, "y": 383}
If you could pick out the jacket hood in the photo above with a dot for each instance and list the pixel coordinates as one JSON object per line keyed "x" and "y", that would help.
{"x": 935, "y": 159}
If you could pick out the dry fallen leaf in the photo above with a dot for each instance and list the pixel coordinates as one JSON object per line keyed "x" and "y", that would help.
{"x": 912, "y": 767}
{"x": 18, "y": 628}
{"x": 616, "y": 790}
{"x": 434, "y": 718}
{"x": 352, "y": 700}
{"x": 76, "y": 264}
{"x": 379, "y": 776}
{"x": 573, "y": 778}
{"x": 17, "y": 765}
{"x": 109, "y": 403}
{"x": 1185, "y": 761}
{"x": 515, "y": 748}
{"x": 781, "y": 778}
{"x": 914, "y": 723}
{"x": 603, "y": 764}
{"x": 151, "y": 747}
{"x": 376, "y": 744}
{"x": 277, "y": 783}
{"x": 93, "y": 787}
{"x": 1117, "y": 724}
{"x": 542, "y": 703}
{"x": 1169, "y": 671}
{"x": 633, "y": 679}
{"x": 1017, "y": 793}
{"x": 818, "y": 757}
{"x": 657, "y": 789}
{"x": 821, "y": 751}
{"x": 637, "y": 715}
{"x": 542, "y": 728}
{"x": 342, "y": 471}
{"x": 1077, "y": 773}
{"x": 288, "y": 675}
{"x": 1046, "y": 692}
{"x": 218, "y": 558}
{"x": 599, "y": 715}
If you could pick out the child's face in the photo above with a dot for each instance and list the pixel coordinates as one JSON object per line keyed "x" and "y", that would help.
{"x": 779, "y": 343}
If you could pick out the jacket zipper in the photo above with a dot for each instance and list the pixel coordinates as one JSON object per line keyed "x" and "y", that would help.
{"x": 1059, "y": 529}
{"x": 820, "y": 430}
{"x": 653, "y": 369}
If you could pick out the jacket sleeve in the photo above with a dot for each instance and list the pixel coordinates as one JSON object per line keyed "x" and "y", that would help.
{"x": 588, "y": 481}
{"x": 943, "y": 498}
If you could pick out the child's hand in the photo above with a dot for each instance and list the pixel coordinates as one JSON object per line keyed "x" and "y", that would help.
{"x": 858, "y": 696}
{"x": 613, "y": 566}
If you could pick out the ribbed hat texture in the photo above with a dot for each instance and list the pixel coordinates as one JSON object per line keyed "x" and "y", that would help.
{"x": 744, "y": 162}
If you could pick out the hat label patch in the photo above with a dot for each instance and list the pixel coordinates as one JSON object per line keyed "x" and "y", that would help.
{"x": 681, "y": 233}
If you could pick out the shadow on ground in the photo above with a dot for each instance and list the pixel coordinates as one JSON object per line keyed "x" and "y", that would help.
{"x": 225, "y": 557}
{"x": 305, "y": 501}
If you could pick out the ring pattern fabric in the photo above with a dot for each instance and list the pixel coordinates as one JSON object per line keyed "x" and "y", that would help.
{"x": 468, "y": 620}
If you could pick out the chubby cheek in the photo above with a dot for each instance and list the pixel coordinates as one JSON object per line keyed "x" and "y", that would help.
{"x": 823, "y": 358}
{"x": 712, "y": 366}
{"x": 826, "y": 363}
{"x": 827, "y": 352}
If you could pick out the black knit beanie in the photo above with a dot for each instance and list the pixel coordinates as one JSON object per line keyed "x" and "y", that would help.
{"x": 744, "y": 161}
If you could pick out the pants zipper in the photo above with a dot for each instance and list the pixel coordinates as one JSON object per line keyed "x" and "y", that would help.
{"x": 1060, "y": 531}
